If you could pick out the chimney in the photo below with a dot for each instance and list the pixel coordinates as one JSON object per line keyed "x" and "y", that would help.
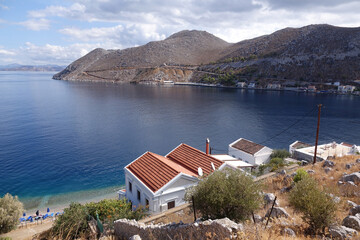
{"x": 207, "y": 146}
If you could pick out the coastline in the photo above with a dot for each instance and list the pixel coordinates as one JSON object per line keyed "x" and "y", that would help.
{"x": 58, "y": 202}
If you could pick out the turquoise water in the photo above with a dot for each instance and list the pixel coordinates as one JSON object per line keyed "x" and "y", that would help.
{"x": 62, "y": 141}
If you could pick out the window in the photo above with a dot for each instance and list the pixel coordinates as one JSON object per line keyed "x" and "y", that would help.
{"x": 139, "y": 195}
{"x": 130, "y": 187}
{"x": 147, "y": 203}
{"x": 171, "y": 204}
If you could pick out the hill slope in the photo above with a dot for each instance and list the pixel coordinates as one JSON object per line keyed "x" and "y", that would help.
{"x": 315, "y": 53}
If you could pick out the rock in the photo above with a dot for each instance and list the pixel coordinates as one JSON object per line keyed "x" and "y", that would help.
{"x": 340, "y": 182}
{"x": 258, "y": 218}
{"x": 269, "y": 199}
{"x": 353, "y": 177}
{"x": 328, "y": 163}
{"x": 225, "y": 222}
{"x": 341, "y": 232}
{"x": 310, "y": 171}
{"x": 351, "y": 222}
{"x": 303, "y": 162}
{"x": 357, "y": 160}
{"x": 350, "y": 203}
{"x": 354, "y": 210}
{"x": 277, "y": 212}
{"x": 336, "y": 199}
{"x": 289, "y": 232}
{"x": 327, "y": 169}
{"x": 357, "y": 215}
{"x": 286, "y": 189}
{"x": 282, "y": 172}
{"x": 351, "y": 183}
{"x": 348, "y": 165}
{"x": 135, "y": 237}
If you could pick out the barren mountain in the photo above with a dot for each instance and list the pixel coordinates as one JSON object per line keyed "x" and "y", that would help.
{"x": 315, "y": 53}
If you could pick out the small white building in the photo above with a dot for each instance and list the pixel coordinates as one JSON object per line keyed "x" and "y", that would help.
{"x": 159, "y": 182}
{"x": 236, "y": 163}
{"x": 250, "y": 152}
{"x": 241, "y": 84}
{"x": 324, "y": 151}
{"x": 346, "y": 88}
{"x": 297, "y": 145}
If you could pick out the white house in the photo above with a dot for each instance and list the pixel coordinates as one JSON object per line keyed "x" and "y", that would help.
{"x": 297, "y": 145}
{"x": 346, "y": 88}
{"x": 159, "y": 182}
{"x": 250, "y": 152}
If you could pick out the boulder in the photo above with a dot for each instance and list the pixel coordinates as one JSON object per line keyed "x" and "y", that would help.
{"x": 289, "y": 232}
{"x": 327, "y": 169}
{"x": 277, "y": 212}
{"x": 135, "y": 237}
{"x": 282, "y": 172}
{"x": 310, "y": 171}
{"x": 351, "y": 203}
{"x": 269, "y": 199}
{"x": 348, "y": 165}
{"x": 353, "y": 177}
{"x": 225, "y": 222}
{"x": 258, "y": 218}
{"x": 354, "y": 210}
{"x": 328, "y": 163}
{"x": 357, "y": 215}
{"x": 286, "y": 189}
{"x": 357, "y": 160}
{"x": 341, "y": 232}
{"x": 351, "y": 222}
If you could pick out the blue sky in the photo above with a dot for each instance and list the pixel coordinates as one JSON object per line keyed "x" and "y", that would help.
{"x": 59, "y": 32}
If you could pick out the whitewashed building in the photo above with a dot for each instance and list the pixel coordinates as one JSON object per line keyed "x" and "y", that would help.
{"x": 159, "y": 182}
{"x": 250, "y": 152}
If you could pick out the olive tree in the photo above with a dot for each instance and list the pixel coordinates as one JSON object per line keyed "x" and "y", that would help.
{"x": 317, "y": 207}
{"x": 228, "y": 193}
{"x": 10, "y": 212}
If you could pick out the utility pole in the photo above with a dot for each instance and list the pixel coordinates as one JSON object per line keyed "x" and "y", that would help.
{"x": 317, "y": 132}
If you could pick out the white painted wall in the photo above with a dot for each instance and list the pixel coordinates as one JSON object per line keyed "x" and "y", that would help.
{"x": 259, "y": 158}
{"x": 263, "y": 156}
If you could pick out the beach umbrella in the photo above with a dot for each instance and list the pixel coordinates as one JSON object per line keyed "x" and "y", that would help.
{"x": 48, "y": 209}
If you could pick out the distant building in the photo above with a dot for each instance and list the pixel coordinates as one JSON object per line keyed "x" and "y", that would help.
{"x": 159, "y": 182}
{"x": 273, "y": 86}
{"x": 311, "y": 88}
{"x": 324, "y": 151}
{"x": 241, "y": 84}
{"x": 252, "y": 85}
{"x": 346, "y": 88}
{"x": 250, "y": 152}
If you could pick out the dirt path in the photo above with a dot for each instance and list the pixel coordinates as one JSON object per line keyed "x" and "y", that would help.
{"x": 28, "y": 231}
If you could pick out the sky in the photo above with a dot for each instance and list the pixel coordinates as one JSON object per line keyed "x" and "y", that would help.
{"x": 58, "y": 32}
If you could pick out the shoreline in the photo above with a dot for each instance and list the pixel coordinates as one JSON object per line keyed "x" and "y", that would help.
{"x": 58, "y": 202}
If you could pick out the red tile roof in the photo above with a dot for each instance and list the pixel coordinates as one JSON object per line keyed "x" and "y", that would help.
{"x": 347, "y": 144}
{"x": 152, "y": 171}
{"x": 247, "y": 146}
{"x": 192, "y": 158}
{"x": 155, "y": 170}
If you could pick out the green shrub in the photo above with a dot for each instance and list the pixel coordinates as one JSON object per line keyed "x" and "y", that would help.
{"x": 10, "y": 212}
{"x": 317, "y": 207}
{"x": 276, "y": 163}
{"x": 300, "y": 174}
{"x": 280, "y": 153}
{"x": 229, "y": 193}
{"x": 73, "y": 223}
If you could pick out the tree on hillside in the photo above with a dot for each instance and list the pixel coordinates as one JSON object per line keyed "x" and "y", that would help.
{"x": 229, "y": 193}
{"x": 10, "y": 212}
{"x": 317, "y": 207}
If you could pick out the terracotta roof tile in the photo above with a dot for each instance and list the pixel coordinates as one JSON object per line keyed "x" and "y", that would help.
{"x": 192, "y": 158}
{"x": 152, "y": 170}
{"x": 247, "y": 146}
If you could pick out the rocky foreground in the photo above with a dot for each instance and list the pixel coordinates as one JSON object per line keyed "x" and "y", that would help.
{"x": 315, "y": 53}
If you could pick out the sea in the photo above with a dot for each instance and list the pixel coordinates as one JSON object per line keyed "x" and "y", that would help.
{"x": 63, "y": 141}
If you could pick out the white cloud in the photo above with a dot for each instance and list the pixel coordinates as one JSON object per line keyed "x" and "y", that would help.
{"x": 36, "y": 24}
{"x": 54, "y": 54}
{"x": 6, "y": 52}
{"x": 4, "y": 7}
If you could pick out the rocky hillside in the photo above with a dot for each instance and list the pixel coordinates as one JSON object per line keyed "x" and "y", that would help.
{"x": 315, "y": 53}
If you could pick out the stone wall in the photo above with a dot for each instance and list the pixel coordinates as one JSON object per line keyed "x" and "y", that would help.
{"x": 217, "y": 229}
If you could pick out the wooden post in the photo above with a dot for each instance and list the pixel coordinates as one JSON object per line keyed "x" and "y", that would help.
{"x": 270, "y": 212}
{"x": 194, "y": 208}
{"x": 317, "y": 133}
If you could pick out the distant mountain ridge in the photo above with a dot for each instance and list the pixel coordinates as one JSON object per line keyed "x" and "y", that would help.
{"x": 36, "y": 68}
{"x": 316, "y": 53}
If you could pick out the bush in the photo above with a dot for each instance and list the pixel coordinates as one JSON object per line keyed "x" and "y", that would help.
{"x": 10, "y": 212}
{"x": 280, "y": 153}
{"x": 300, "y": 174}
{"x": 276, "y": 163}
{"x": 74, "y": 222}
{"x": 228, "y": 193}
{"x": 317, "y": 207}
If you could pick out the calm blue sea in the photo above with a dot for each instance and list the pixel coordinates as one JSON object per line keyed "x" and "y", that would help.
{"x": 59, "y": 138}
